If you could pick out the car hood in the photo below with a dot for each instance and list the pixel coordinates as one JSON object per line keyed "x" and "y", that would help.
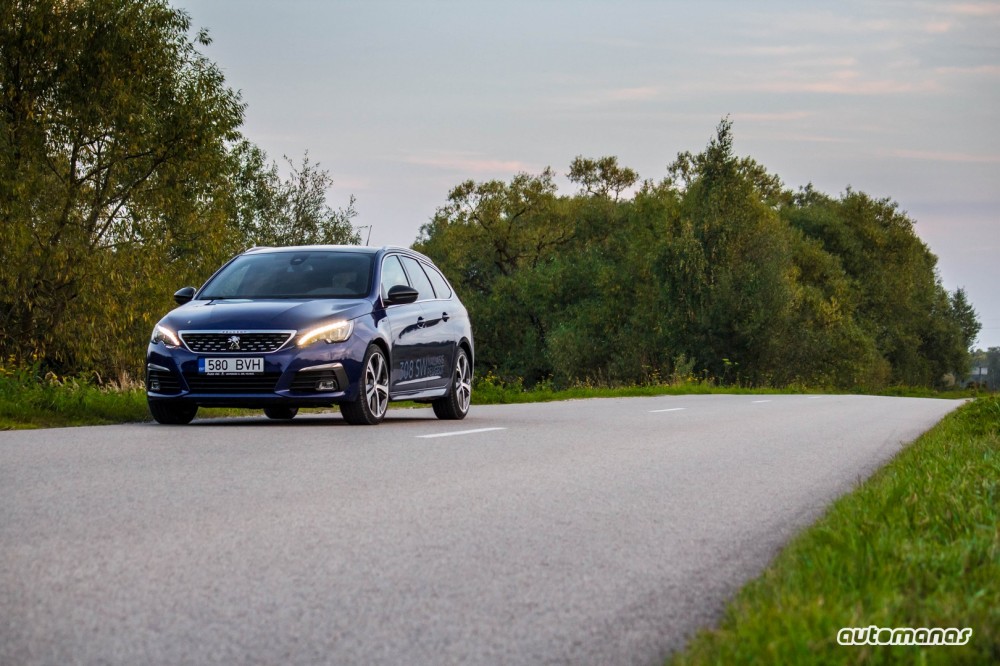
{"x": 278, "y": 314}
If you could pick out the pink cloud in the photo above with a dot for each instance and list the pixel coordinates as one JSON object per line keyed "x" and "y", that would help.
{"x": 965, "y": 158}
{"x": 632, "y": 94}
{"x": 988, "y": 70}
{"x": 976, "y": 9}
{"x": 777, "y": 117}
{"x": 849, "y": 83}
{"x": 472, "y": 163}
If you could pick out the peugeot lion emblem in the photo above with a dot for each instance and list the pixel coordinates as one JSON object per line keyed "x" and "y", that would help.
{"x": 234, "y": 343}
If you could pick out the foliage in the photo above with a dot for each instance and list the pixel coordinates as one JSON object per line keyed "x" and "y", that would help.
{"x": 123, "y": 176}
{"x": 916, "y": 546}
{"x": 269, "y": 211}
{"x": 718, "y": 264}
{"x": 111, "y": 124}
{"x": 32, "y": 399}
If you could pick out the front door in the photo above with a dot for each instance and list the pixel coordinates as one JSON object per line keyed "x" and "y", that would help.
{"x": 407, "y": 326}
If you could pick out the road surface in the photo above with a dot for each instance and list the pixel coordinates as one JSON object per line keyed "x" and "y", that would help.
{"x": 582, "y": 532}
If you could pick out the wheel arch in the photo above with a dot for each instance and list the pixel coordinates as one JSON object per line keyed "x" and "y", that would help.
{"x": 467, "y": 346}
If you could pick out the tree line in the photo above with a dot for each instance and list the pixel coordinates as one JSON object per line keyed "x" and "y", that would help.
{"x": 124, "y": 174}
{"x": 715, "y": 271}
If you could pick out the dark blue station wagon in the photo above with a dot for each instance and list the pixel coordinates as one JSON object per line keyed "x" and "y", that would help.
{"x": 314, "y": 326}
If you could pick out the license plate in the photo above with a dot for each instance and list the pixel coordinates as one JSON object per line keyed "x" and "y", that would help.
{"x": 230, "y": 366}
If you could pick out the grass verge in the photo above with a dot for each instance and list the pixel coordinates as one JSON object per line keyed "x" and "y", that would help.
{"x": 30, "y": 401}
{"x": 917, "y": 545}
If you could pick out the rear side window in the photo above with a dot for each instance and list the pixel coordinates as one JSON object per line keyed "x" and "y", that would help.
{"x": 418, "y": 279}
{"x": 441, "y": 287}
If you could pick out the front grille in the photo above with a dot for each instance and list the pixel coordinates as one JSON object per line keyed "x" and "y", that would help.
{"x": 264, "y": 383}
{"x": 252, "y": 343}
{"x": 305, "y": 382}
{"x": 165, "y": 383}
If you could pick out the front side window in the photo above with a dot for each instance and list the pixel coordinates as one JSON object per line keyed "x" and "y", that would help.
{"x": 317, "y": 274}
{"x": 392, "y": 275}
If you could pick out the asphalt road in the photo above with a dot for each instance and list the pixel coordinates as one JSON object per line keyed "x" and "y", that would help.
{"x": 583, "y": 532}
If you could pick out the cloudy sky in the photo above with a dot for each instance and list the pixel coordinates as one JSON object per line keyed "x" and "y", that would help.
{"x": 401, "y": 101}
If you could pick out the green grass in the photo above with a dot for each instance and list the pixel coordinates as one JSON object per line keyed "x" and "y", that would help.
{"x": 490, "y": 390}
{"x": 30, "y": 401}
{"x": 917, "y": 545}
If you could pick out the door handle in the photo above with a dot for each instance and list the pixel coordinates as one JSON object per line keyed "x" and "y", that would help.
{"x": 444, "y": 316}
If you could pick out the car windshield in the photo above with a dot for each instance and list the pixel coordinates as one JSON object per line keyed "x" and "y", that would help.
{"x": 314, "y": 274}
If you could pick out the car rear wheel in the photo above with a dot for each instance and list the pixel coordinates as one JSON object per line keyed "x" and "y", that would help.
{"x": 373, "y": 397}
{"x": 281, "y": 413}
{"x": 171, "y": 413}
{"x": 455, "y": 405}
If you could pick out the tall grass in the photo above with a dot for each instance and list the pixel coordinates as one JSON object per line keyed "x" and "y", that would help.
{"x": 31, "y": 400}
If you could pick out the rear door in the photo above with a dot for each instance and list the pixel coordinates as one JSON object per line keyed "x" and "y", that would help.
{"x": 406, "y": 325}
{"x": 437, "y": 350}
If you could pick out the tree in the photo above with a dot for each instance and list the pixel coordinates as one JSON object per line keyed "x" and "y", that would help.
{"x": 897, "y": 297}
{"x": 113, "y": 136}
{"x": 735, "y": 250}
{"x": 270, "y": 211}
{"x": 965, "y": 317}
{"x": 602, "y": 177}
{"x": 716, "y": 270}
{"x": 492, "y": 239}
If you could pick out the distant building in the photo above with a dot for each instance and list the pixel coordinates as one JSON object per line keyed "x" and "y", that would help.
{"x": 979, "y": 375}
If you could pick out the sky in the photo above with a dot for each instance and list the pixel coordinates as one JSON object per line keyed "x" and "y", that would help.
{"x": 402, "y": 101}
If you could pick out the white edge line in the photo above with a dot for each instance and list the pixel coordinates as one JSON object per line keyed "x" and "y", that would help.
{"x": 458, "y": 432}
{"x": 759, "y": 401}
{"x": 672, "y": 409}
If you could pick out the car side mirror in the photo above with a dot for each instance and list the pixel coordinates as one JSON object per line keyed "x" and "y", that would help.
{"x": 401, "y": 294}
{"x": 182, "y": 296}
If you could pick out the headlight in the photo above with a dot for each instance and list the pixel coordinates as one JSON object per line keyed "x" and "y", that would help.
{"x": 335, "y": 332}
{"x": 165, "y": 335}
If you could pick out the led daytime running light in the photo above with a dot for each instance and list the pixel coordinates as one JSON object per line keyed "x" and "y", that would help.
{"x": 166, "y": 336}
{"x": 335, "y": 332}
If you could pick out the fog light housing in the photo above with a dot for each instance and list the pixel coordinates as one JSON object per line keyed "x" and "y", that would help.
{"x": 154, "y": 385}
{"x": 327, "y": 385}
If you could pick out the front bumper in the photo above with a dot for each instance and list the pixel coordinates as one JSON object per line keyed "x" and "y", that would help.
{"x": 316, "y": 376}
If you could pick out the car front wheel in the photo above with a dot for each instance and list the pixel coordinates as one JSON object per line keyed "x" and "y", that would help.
{"x": 455, "y": 405}
{"x": 373, "y": 397}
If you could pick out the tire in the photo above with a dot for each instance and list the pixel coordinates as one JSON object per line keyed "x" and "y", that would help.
{"x": 455, "y": 405}
{"x": 373, "y": 395}
{"x": 172, "y": 413}
{"x": 281, "y": 413}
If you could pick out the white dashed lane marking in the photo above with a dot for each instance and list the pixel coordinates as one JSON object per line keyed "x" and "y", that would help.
{"x": 458, "y": 432}
{"x": 672, "y": 409}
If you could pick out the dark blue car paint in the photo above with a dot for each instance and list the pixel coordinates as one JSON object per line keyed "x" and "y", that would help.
{"x": 419, "y": 339}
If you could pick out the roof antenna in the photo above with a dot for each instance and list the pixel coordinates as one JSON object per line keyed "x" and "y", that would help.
{"x": 367, "y": 240}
